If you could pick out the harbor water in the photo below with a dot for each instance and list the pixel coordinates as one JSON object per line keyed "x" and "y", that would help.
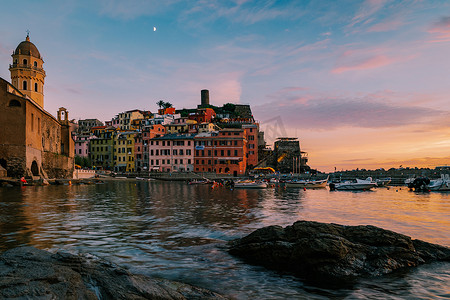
{"x": 178, "y": 231}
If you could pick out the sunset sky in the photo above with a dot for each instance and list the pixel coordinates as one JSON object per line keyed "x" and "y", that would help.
{"x": 362, "y": 84}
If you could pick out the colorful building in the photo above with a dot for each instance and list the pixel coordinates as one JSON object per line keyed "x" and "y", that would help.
{"x": 172, "y": 153}
{"x": 222, "y": 152}
{"x": 203, "y": 115}
{"x": 252, "y": 134}
{"x": 82, "y": 145}
{"x": 141, "y": 142}
{"x": 124, "y": 151}
{"x": 101, "y": 149}
{"x": 125, "y": 118}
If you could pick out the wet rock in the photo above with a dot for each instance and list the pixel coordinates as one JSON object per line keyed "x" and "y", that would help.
{"x": 30, "y": 273}
{"x": 317, "y": 251}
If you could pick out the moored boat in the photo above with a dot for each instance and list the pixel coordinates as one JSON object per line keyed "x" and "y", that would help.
{"x": 199, "y": 181}
{"x": 308, "y": 184}
{"x": 442, "y": 184}
{"x": 357, "y": 185}
{"x": 251, "y": 184}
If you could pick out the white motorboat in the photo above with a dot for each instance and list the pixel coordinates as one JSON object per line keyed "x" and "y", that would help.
{"x": 308, "y": 184}
{"x": 442, "y": 184}
{"x": 357, "y": 185}
{"x": 250, "y": 184}
{"x": 144, "y": 179}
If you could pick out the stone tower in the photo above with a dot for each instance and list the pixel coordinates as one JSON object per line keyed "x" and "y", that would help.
{"x": 27, "y": 73}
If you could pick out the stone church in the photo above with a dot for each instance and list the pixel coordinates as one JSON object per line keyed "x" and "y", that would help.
{"x": 33, "y": 143}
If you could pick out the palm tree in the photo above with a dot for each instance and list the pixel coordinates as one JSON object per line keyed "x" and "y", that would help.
{"x": 167, "y": 104}
{"x": 160, "y": 103}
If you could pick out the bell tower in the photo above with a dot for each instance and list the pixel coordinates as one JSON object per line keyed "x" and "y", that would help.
{"x": 27, "y": 73}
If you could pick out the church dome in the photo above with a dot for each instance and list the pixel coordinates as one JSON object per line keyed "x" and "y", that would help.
{"x": 27, "y": 48}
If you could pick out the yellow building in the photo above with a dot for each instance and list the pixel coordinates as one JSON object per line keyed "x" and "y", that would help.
{"x": 126, "y": 118}
{"x": 27, "y": 73}
{"x": 179, "y": 126}
{"x": 124, "y": 152}
{"x": 33, "y": 143}
{"x": 208, "y": 127}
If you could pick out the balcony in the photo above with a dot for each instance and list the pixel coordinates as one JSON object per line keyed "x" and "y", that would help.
{"x": 30, "y": 67}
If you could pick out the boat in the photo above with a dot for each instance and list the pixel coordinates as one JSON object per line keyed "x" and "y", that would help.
{"x": 419, "y": 184}
{"x": 199, "y": 181}
{"x": 356, "y": 185}
{"x": 308, "y": 184}
{"x": 144, "y": 179}
{"x": 250, "y": 184}
{"x": 442, "y": 184}
{"x": 383, "y": 181}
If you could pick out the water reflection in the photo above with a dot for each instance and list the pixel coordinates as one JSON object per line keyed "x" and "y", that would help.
{"x": 179, "y": 231}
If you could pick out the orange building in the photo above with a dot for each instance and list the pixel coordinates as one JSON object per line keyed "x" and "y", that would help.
{"x": 203, "y": 115}
{"x": 251, "y": 133}
{"x": 222, "y": 152}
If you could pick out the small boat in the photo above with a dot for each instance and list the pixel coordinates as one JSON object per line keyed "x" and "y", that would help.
{"x": 198, "y": 181}
{"x": 144, "y": 179}
{"x": 308, "y": 184}
{"x": 383, "y": 181}
{"x": 442, "y": 184}
{"x": 250, "y": 184}
{"x": 357, "y": 185}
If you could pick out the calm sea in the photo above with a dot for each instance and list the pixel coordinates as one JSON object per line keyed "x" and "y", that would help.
{"x": 177, "y": 231}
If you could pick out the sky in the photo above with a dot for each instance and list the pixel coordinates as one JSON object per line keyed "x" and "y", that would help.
{"x": 362, "y": 84}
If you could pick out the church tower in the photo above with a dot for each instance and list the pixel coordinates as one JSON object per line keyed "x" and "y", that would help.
{"x": 27, "y": 73}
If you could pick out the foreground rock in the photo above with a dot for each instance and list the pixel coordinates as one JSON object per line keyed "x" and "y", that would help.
{"x": 30, "y": 273}
{"x": 317, "y": 250}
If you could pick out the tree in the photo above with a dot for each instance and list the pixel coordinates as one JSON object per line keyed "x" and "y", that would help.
{"x": 160, "y": 103}
{"x": 83, "y": 162}
{"x": 167, "y": 104}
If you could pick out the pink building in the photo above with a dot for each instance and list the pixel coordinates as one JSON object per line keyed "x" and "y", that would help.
{"x": 82, "y": 145}
{"x": 172, "y": 153}
{"x": 141, "y": 142}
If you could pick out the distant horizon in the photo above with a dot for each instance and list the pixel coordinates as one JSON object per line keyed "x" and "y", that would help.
{"x": 361, "y": 84}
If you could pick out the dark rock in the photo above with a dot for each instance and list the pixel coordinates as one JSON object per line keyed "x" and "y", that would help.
{"x": 30, "y": 273}
{"x": 316, "y": 250}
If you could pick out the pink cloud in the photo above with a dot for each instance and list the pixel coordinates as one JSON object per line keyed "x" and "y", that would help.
{"x": 441, "y": 30}
{"x": 320, "y": 113}
{"x": 364, "y": 64}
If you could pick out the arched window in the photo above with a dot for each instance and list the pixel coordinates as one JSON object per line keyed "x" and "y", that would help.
{"x": 13, "y": 103}
{"x": 36, "y": 87}
{"x": 25, "y": 62}
{"x": 16, "y": 61}
{"x": 24, "y": 85}
{"x": 35, "y": 64}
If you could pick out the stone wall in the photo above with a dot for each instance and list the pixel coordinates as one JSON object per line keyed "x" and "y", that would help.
{"x": 2, "y": 172}
{"x": 57, "y": 165}
{"x": 13, "y": 160}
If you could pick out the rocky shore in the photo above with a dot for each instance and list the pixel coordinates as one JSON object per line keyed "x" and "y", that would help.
{"x": 318, "y": 251}
{"x": 30, "y": 273}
